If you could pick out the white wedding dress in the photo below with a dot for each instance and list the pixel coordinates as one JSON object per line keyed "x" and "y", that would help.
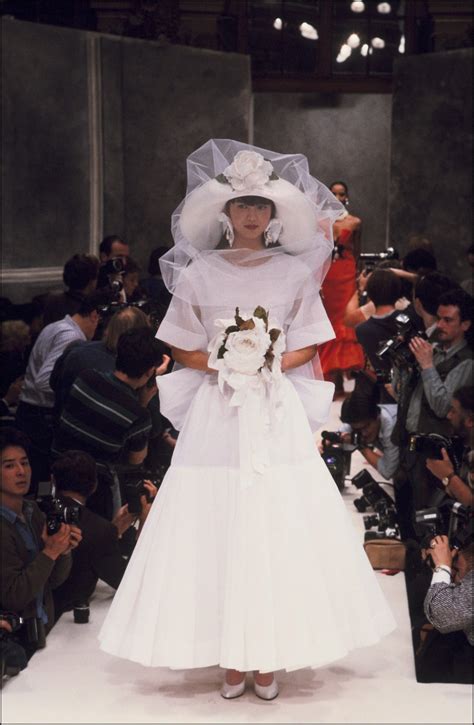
{"x": 265, "y": 576}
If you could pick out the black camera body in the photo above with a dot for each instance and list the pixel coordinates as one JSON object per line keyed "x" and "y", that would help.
{"x": 337, "y": 454}
{"x": 133, "y": 485}
{"x": 383, "y": 377}
{"x": 116, "y": 265}
{"x": 373, "y": 495}
{"x": 13, "y": 619}
{"x": 57, "y": 513}
{"x": 396, "y": 349}
{"x": 384, "y": 521}
{"x": 371, "y": 259}
{"x": 451, "y": 519}
{"x": 432, "y": 443}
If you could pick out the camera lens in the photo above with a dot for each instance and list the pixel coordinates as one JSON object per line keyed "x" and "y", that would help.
{"x": 81, "y": 613}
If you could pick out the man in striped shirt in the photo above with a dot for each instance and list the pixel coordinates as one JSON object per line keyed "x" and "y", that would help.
{"x": 106, "y": 413}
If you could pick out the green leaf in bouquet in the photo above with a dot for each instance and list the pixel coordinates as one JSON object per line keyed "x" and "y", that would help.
{"x": 274, "y": 334}
{"x": 221, "y": 351}
{"x": 239, "y": 320}
{"x": 262, "y": 314}
{"x": 232, "y": 328}
{"x": 269, "y": 358}
{"x": 247, "y": 325}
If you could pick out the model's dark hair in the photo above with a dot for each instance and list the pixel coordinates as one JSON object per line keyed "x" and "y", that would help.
{"x": 340, "y": 183}
{"x": 465, "y": 397}
{"x": 137, "y": 351}
{"x": 105, "y": 246}
{"x": 11, "y": 437}
{"x": 429, "y": 288}
{"x": 154, "y": 260}
{"x": 75, "y": 471}
{"x": 419, "y": 260}
{"x": 383, "y": 287}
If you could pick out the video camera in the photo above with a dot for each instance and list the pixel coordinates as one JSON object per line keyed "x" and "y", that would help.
{"x": 396, "y": 349}
{"x": 373, "y": 495}
{"x": 58, "y": 513}
{"x": 451, "y": 519}
{"x": 371, "y": 259}
{"x": 337, "y": 454}
{"x": 432, "y": 443}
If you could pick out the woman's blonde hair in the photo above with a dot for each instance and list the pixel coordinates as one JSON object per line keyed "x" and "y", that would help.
{"x": 14, "y": 336}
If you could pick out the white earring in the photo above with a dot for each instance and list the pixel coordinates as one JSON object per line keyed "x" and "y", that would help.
{"x": 227, "y": 228}
{"x": 272, "y": 232}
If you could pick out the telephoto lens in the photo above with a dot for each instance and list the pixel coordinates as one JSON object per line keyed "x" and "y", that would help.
{"x": 81, "y": 613}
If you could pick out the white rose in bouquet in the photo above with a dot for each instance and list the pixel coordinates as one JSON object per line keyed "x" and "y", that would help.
{"x": 246, "y": 350}
{"x": 248, "y": 171}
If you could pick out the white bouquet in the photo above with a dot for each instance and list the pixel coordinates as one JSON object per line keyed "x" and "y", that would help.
{"x": 247, "y": 352}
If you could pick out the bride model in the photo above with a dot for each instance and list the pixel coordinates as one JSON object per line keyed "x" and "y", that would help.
{"x": 247, "y": 559}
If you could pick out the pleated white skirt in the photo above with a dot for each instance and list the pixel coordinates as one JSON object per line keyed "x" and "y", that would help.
{"x": 266, "y": 577}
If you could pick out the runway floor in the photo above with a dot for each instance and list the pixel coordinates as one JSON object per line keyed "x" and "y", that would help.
{"x": 72, "y": 681}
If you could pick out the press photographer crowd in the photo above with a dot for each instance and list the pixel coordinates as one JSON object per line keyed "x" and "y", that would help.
{"x": 84, "y": 446}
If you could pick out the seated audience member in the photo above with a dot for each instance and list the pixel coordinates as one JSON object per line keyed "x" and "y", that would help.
{"x": 131, "y": 280}
{"x": 468, "y": 283}
{"x": 96, "y": 355}
{"x": 111, "y": 247}
{"x": 459, "y": 484}
{"x": 34, "y": 415}
{"x": 80, "y": 278}
{"x": 14, "y": 344}
{"x": 448, "y": 606}
{"x": 107, "y": 416}
{"x": 33, "y": 562}
{"x": 375, "y": 424}
{"x": 98, "y": 556}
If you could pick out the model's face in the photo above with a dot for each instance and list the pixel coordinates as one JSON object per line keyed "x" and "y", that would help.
{"x": 368, "y": 429}
{"x": 249, "y": 221}
{"x": 451, "y": 329}
{"x": 119, "y": 249}
{"x": 339, "y": 192}
{"x": 130, "y": 283}
{"x": 16, "y": 472}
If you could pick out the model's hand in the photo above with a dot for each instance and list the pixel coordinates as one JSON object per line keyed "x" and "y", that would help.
{"x": 440, "y": 469}
{"x": 422, "y": 351}
{"x": 57, "y": 544}
{"x": 440, "y": 551}
{"x": 123, "y": 519}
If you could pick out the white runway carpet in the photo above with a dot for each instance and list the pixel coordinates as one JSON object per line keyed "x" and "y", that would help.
{"x": 72, "y": 681}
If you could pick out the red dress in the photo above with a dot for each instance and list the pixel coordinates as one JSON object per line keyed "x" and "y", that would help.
{"x": 344, "y": 353}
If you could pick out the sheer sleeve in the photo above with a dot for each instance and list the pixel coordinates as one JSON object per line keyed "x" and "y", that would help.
{"x": 308, "y": 323}
{"x": 182, "y": 327}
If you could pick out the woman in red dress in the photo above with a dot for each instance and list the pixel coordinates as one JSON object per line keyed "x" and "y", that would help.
{"x": 343, "y": 354}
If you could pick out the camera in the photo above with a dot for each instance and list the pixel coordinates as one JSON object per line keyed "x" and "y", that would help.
{"x": 432, "y": 443}
{"x": 337, "y": 454}
{"x": 81, "y": 612}
{"x": 384, "y": 520}
{"x": 14, "y": 620}
{"x": 133, "y": 485}
{"x": 373, "y": 495}
{"x": 451, "y": 519}
{"x": 396, "y": 349}
{"x": 58, "y": 513}
{"x": 371, "y": 259}
{"x": 116, "y": 265}
{"x": 383, "y": 377}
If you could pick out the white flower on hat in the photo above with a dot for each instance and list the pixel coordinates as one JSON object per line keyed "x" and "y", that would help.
{"x": 246, "y": 350}
{"x": 249, "y": 170}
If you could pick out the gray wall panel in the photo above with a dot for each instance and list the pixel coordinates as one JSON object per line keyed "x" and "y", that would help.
{"x": 344, "y": 136}
{"x": 431, "y": 165}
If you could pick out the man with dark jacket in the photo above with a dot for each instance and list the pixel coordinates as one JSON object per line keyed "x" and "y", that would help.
{"x": 33, "y": 562}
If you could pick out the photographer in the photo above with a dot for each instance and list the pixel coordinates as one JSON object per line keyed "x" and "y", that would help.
{"x": 98, "y": 555}
{"x": 111, "y": 248}
{"x": 448, "y": 606}
{"x": 459, "y": 484}
{"x": 107, "y": 416}
{"x": 33, "y": 562}
{"x": 80, "y": 277}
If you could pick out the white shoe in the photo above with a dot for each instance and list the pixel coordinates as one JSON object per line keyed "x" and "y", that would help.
{"x": 231, "y": 691}
{"x": 267, "y": 692}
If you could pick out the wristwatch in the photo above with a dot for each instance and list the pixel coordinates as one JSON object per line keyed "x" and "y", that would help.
{"x": 445, "y": 481}
{"x": 443, "y": 567}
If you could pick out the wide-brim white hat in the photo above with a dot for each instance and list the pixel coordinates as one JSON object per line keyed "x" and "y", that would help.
{"x": 250, "y": 174}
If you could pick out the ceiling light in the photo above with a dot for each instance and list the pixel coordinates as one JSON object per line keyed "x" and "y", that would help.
{"x": 357, "y": 7}
{"x": 308, "y": 31}
{"x": 384, "y": 8}
{"x": 378, "y": 43}
{"x": 364, "y": 50}
{"x": 353, "y": 40}
{"x": 278, "y": 23}
{"x": 401, "y": 47}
